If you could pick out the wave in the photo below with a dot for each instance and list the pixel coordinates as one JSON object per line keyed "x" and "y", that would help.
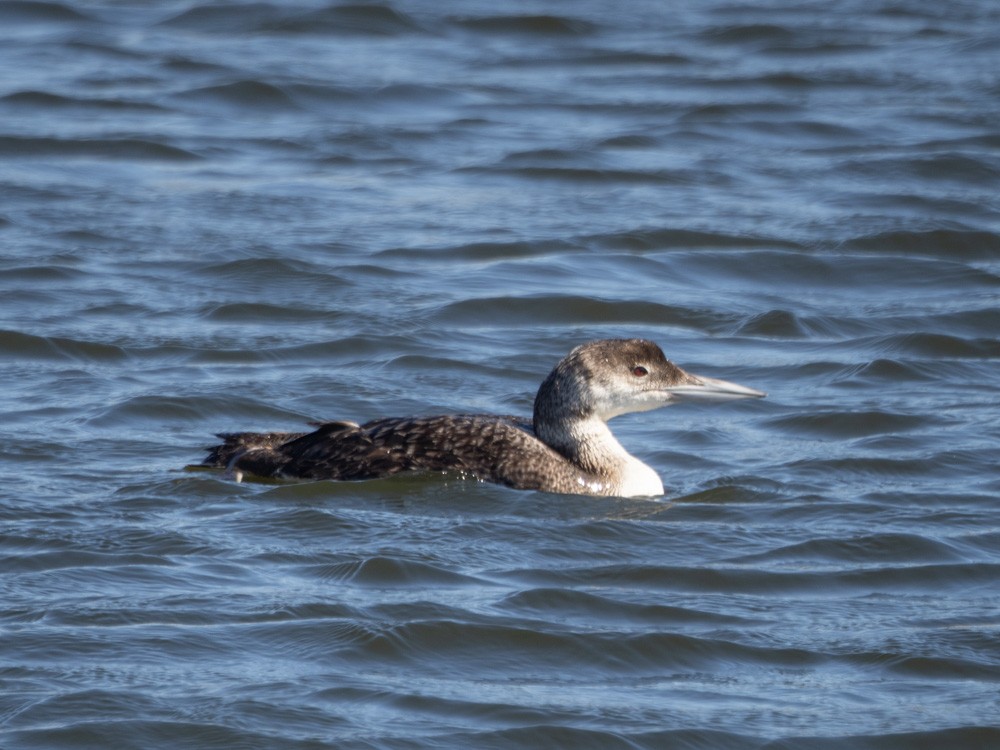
{"x": 45, "y": 99}
{"x": 539, "y": 730}
{"x": 534, "y": 25}
{"x": 609, "y": 175}
{"x": 36, "y": 11}
{"x": 568, "y": 309}
{"x": 948, "y": 244}
{"x": 842, "y": 425}
{"x": 360, "y": 19}
{"x": 132, "y": 149}
{"x": 571, "y": 605}
{"x": 382, "y": 571}
{"x": 18, "y": 345}
{"x": 932, "y": 578}
{"x": 243, "y": 94}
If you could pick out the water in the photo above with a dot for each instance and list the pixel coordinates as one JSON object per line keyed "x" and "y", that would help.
{"x": 245, "y": 216}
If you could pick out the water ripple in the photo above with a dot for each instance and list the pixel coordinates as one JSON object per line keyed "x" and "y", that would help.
{"x": 219, "y": 216}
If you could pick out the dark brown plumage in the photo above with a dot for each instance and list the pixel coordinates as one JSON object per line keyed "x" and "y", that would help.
{"x": 493, "y": 449}
{"x": 566, "y": 448}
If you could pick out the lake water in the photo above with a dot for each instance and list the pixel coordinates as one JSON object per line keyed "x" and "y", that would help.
{"x": 221, "y": 215}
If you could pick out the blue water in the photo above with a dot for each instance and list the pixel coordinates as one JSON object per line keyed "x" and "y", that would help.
{"x": 241, "y": 216}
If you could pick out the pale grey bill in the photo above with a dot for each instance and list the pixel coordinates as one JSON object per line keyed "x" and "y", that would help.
{"x": 712, "y": 389}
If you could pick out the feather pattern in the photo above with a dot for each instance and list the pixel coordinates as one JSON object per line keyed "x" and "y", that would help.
{"x": 567, "y": 446}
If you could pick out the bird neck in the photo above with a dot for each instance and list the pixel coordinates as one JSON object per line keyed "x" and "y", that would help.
{"x": 589, "y": 444}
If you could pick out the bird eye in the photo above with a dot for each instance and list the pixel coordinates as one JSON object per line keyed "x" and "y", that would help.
{"x": 639, "y": 371}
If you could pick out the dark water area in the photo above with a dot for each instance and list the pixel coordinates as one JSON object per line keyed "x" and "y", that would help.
{"x": 220, "y": 216}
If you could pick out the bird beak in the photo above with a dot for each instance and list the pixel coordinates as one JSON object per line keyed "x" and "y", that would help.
{"x": 701, "y": 388}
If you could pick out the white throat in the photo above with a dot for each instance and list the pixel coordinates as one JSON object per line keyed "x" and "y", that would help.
{"x": 596, "y": 449}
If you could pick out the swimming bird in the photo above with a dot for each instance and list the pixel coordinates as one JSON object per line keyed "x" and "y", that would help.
{"x": 566, "y": 447}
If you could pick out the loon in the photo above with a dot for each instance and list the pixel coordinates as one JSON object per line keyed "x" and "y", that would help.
{"x": 566, "y": 448}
